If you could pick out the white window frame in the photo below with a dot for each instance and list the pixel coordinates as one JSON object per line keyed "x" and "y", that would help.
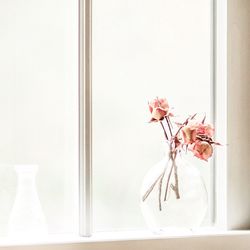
{"x": 85, "y": 118}
{"x": 225, "y": 171}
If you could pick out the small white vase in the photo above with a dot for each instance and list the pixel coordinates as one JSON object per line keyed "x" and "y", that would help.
{"x": 27, "y": 218}
{"x": 188, "y": 211}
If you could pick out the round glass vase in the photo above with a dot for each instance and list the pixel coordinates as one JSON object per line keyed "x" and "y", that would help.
{"x": 27, "y": 219}
{"x": 162, "y": 210}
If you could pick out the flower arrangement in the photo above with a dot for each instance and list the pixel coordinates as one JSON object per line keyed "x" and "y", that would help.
{"x": 192, "y": 135}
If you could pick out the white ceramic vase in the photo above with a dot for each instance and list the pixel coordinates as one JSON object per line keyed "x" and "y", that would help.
{"x": 27, "y": 218}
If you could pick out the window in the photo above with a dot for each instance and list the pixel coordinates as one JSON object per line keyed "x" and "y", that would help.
{"x": 40, "y": 96}
{"x": 141, "y": 50}
{"x": 138, "y": 52}
{"x": 39, "y": 106}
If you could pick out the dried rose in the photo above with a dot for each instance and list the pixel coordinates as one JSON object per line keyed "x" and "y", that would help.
{"x": 202, "y": 149}
{"x": 194, "y": 130}
{"x": 158, "y": 108}
{"x": 189, "y": 132}
{"x": 205, "y": 129}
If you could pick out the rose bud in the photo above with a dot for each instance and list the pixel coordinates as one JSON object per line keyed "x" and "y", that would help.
{"x": 158, "y": 108}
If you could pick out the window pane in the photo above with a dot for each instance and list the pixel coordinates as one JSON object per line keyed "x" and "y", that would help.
{"x": 142, "y": 49}
{"x": 39, "y": 105}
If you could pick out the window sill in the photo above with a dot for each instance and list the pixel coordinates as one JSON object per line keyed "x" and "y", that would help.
{"x": 209, "y": 238}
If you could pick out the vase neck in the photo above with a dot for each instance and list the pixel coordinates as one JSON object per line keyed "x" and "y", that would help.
{"x": 26, "y": 175}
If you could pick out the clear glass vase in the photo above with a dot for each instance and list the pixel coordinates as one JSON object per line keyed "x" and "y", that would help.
{"x": 164, "y": 214}
{"x": 27, "y": 218}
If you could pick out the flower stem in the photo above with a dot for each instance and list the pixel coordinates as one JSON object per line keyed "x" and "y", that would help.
{"x": 165, "y": 132}
{"x": 160, "y": 188}
{"x": 160, "y": 178}
{"x": 176, "y": 186}
{"x": 172, "y": 157}
{"x": 145, "y": 196}
{"x": 168, "y": 179}
{"x": 169, "y": 125}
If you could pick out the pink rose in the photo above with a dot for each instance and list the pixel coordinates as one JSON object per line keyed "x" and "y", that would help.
{"x": 158, "y": 108}
{"x": 205, "y": 129}
{"x": 194, "y": 129}
{"x": 202, "y": 149}
{"x": 189, "y": 132}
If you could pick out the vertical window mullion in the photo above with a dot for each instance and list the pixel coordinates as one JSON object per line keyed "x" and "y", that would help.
{"x": 85, "y": 119}
{"x": 213, "y": 106}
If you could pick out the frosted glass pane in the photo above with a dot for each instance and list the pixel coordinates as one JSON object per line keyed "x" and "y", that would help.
{"x": 39, "y": 104}
{"x": 142, "y": 49}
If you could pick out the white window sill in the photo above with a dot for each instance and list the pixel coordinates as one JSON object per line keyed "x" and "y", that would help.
{"x": 202, "y": 239}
